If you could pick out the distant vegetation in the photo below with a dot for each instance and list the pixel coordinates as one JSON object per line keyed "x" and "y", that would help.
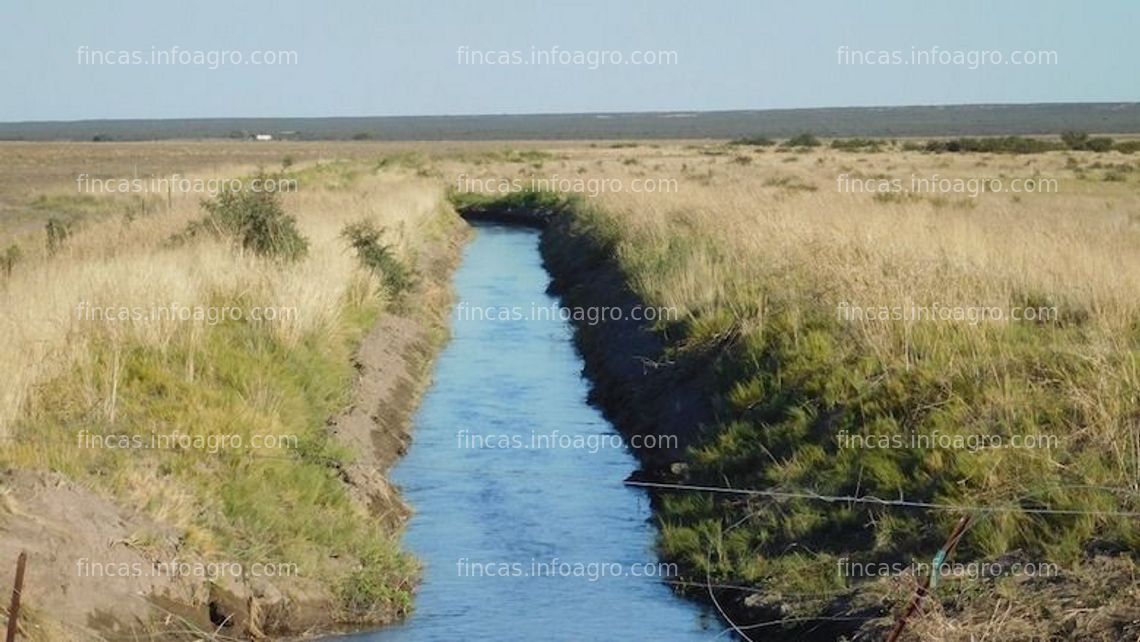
{"x": 758, "y": 141}
{"x": 11, "y": 256}
{"x": 867, "y": 122}
{"x": 802, "y": 140}
{"x": 58, "y": 231}
{"x": 1069, "y": 140}
{"x": 859, "y": 144}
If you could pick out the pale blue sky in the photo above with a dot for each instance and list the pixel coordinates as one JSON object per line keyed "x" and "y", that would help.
{"x": 361, "y": 58}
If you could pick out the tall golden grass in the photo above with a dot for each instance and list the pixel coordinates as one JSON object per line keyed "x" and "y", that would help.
{"x": 110, "y": 263}
{"x": 743, "y": 224}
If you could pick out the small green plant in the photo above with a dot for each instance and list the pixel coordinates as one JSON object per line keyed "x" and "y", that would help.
{"x": 803, "y": 140}
{"x": 995, "y": 145}
{"x": 255, "y": 220}
{"x": 758, "y": 141}
{"x": 10, "y": 258}
{"x": 1075, "y": 140}
{"x": 1099, "y": 144}
{"x": 857, "y": 144}
{"x": 58, "y": 231}
{"x": 1080, "y": 141}
{"x": 380, "y": 259}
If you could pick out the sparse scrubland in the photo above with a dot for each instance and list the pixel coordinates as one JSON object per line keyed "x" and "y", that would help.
{"x": 767, "y": 249}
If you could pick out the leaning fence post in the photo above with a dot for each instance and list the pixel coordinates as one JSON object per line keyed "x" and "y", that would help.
{"x": 924, "y": 586}
{"x": 14, "y": 609}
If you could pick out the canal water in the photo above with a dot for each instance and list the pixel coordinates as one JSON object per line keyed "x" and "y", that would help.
{"x": 521, "y": 519}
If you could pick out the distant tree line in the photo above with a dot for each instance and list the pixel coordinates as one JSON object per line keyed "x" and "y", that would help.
{"x": 1069, "y": 140}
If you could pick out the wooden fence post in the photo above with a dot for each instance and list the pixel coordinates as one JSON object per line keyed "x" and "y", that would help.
{"x": 14, "y": 609}
{"x": 924, "y": 585}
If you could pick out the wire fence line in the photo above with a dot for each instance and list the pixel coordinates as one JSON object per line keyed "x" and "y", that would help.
{"x": 878, "y": 501}
{"x": 752, "y": 492}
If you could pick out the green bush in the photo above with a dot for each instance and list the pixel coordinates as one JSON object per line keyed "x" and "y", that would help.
{"x": 364, "y": 237}
{"x": 995, "y": 145}
{"x": 58, "y": 231}
{"x": 803, "y": 140}
{"x": 758, "y": 141}
{"x": 1080, "y": 141}
{"x": 255, "y": 220}
{"x": 1099, "y": 144}
{"x": 10, "y": 258}
{"x": 857, "y": 144}
{"x": 1075, "y": 140}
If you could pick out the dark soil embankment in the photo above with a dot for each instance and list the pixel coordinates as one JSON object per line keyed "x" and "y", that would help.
{"x": 641, "y": 391}
{"x": 633, "y": 381}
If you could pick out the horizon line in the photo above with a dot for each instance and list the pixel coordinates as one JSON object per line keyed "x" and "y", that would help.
{"x": 575, "y": 113}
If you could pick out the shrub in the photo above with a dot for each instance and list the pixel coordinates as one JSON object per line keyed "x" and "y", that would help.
{"x": 1074, "y": 140}
{"x": 364, "y": 237}
{"x": 1128, "y": 147}
{"x": 58, "y": 231}
{"x": 758, "y": 141}
{"x": 996, "y": 145}
{"x": 10, "y": 258}
{"x": 1099, "y": 144}
{"x": 857, "y": 144}
{"x": 803, "y": 140}
{"x": 255, "y": 220}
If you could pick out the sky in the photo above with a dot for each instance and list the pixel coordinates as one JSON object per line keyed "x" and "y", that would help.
{"x": 385, "y": 58}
